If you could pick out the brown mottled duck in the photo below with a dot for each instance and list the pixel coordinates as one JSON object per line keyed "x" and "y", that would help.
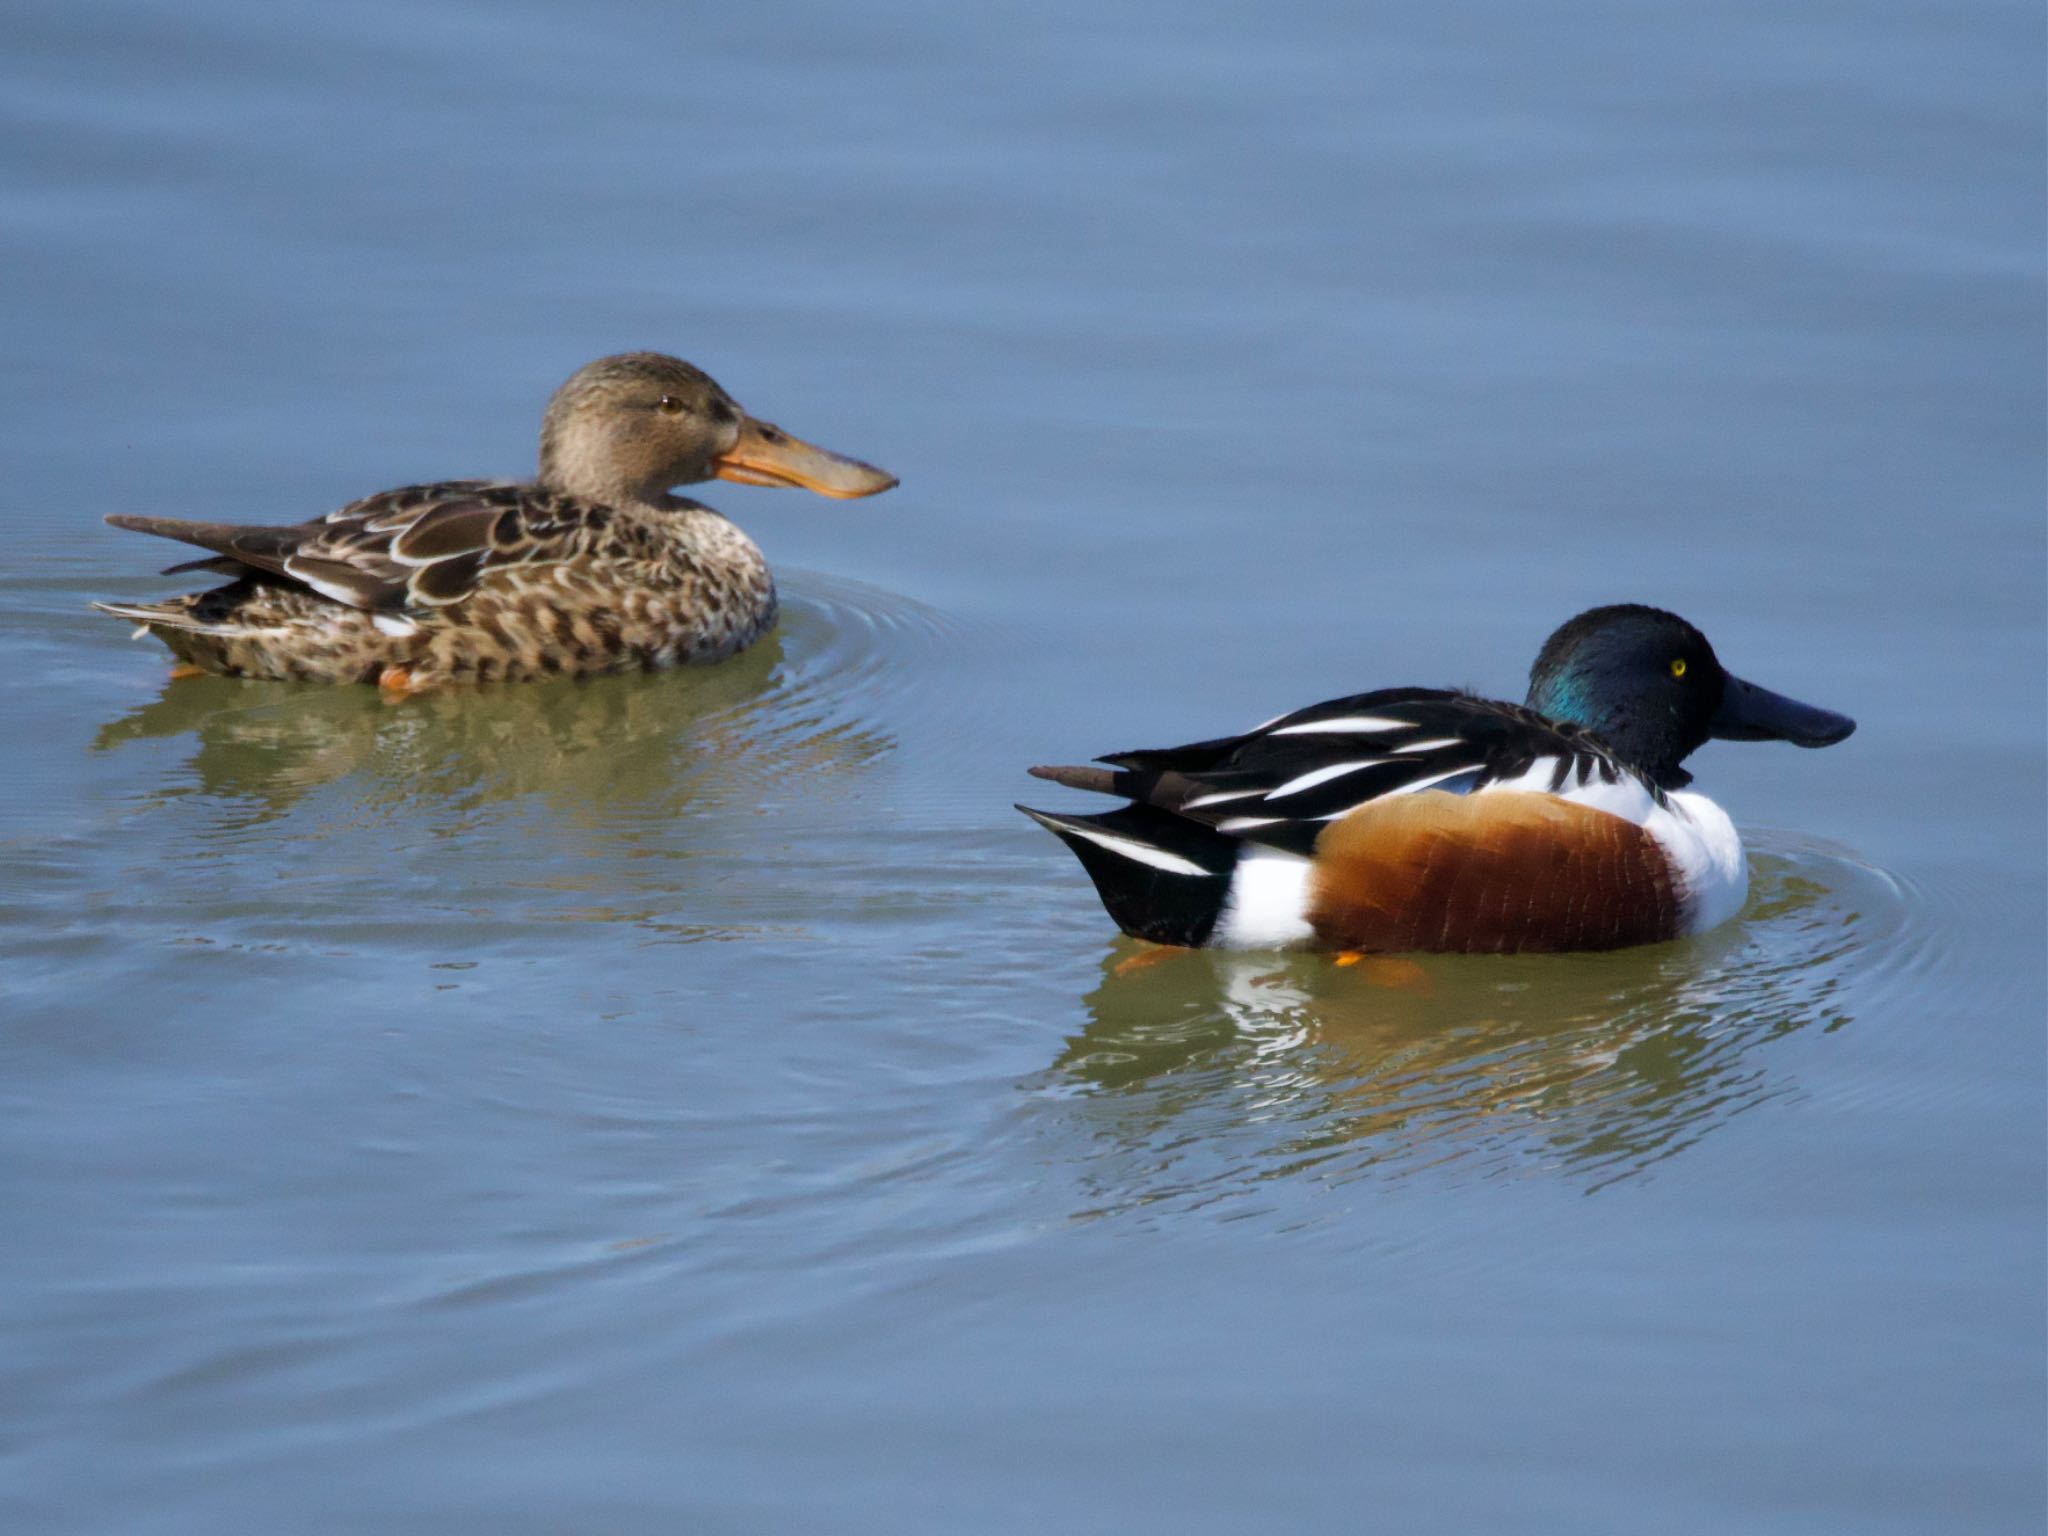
{"x": 593, "y": 566}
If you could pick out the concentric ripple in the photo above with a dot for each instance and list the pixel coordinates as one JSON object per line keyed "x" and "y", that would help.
{"x": 321, "y": 819}
{"x": 1201, "y": 1078}
{"x": 802, "y": 702}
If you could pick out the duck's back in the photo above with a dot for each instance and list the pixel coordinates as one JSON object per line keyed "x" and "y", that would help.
{"x": 465, "y": 581}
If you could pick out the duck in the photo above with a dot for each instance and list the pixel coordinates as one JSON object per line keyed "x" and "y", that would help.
{"x": 1427, "y": 819}
{"x": 592, "y": 566}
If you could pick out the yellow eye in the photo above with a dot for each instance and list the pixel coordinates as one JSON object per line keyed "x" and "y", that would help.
{"x": 669, "y": 405}
{"x": 1678, "y": 666}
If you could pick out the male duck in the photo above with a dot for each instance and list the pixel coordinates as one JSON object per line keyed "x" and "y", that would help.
{"x": 1424, "y": 819}
{"x": 592, "y": 567}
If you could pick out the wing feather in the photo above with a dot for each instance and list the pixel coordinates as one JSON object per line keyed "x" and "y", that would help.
{"x": 447, "y": 580}
{"x": 444, "y": 532}
{"x": 1284, "y": 783}
{"x": 417, "y": 547}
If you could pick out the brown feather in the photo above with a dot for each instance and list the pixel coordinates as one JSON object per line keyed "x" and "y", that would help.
{"x": 453, "y": 528}
{"x": 447, "y": 580}
{"x": 344, "y": 581}
{"x": 519, "y": 581}
{"x": 264, "y": 546}
{"x": 1101, "y": 780}
{"x": 1489, "y": 873}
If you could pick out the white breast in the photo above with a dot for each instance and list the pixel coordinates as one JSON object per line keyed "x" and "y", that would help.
{"x": 1706, "y": 850}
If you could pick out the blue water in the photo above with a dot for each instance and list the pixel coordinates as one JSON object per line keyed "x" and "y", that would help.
{"x": 700, "y": 1103}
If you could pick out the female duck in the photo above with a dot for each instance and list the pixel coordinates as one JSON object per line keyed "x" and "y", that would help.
{"x": 1423, "y": 819}
{"x": 592, "y": 567}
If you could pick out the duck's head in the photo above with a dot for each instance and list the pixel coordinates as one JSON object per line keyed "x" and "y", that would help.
{"x": 1648, "y": 684}
{"x": 628, "y": 427}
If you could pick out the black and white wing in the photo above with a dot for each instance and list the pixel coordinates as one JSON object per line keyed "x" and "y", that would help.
{"x": 1281, "y": 784}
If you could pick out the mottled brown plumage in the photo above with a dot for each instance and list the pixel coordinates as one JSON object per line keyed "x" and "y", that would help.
{"x": 592, "y": 567}
{"x": 1489, "y": 874}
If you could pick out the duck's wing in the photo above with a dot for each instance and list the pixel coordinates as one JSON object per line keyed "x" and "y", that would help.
{"x": 1284, "y": 782}
{"x": 419, "y": 547}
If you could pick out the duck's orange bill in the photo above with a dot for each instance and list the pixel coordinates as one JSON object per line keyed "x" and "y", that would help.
{"x": 767, "y": 455}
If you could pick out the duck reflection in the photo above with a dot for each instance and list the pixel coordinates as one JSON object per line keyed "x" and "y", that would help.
{"x": 621, "y": 747}
{"x": 1214, "y": 1073}
{"x": 517, "y": 822}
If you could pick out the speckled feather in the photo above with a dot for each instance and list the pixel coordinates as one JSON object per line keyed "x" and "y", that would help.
{"x": 495, "y": 581}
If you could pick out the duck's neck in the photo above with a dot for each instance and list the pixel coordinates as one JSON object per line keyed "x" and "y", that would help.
{"x": 579, "y": 459}
{"x": 1649, "y": 746}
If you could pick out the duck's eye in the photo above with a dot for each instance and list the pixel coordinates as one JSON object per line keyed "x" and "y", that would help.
{"x": 669, "y": 405}
{"x": 1678, "y": 666}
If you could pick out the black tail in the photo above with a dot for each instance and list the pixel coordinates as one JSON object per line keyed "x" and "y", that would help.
{"x": 1162, "y": 877}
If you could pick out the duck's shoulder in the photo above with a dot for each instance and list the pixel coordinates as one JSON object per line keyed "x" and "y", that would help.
{"x": 1410, "y": 721}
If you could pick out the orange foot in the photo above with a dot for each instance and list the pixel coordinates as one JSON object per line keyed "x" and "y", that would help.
{"x": 1402, "y": 975}
{"x": 184, "y": 669}
{"x": 397, "y": 682}
{"x": 1144, "y": 959}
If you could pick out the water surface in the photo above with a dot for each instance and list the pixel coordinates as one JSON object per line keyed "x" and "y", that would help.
{"x": 699, "y": 1102}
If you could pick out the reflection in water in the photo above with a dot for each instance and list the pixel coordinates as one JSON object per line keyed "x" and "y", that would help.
{"x": 509, "y": 822}
{"x": 270, "y": 744}
{"x": 1201, "y": 1076}
{"x": 611, "y": 748}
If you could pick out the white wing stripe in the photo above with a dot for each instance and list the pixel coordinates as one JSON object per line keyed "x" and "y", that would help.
{"x": 1344, "y": 725}
{"x": 1137, "y": 852}
{"x": 1427, "y": 746}
{"x": 1435, "y": 778}
{"x": 1222, "y": 797}
{"x": 1317, "y": 776}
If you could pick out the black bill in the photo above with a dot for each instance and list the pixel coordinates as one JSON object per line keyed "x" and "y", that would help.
{"x": 1750, "y": 713}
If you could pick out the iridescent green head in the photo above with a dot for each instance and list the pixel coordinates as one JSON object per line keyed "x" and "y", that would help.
{"x": 1648, "y": 684}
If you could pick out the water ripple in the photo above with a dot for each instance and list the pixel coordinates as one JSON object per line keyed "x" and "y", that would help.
{"x": 1201, "y": 1078}
{"x": 326, "y": 821}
